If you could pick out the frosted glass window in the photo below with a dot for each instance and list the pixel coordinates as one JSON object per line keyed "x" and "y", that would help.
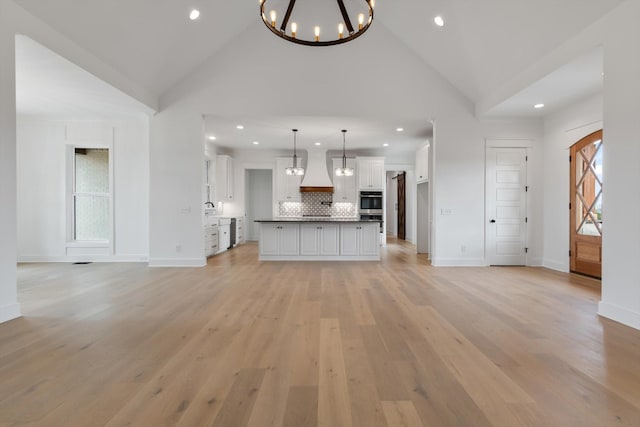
{"x": 91, "y": 196}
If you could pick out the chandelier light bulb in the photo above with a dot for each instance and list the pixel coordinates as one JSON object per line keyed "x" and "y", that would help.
{"x": 272, "y": 15}
{"x": 287, "y": 27}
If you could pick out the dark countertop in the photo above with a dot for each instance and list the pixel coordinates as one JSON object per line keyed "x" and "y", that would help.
{"x": 316, "y": 219}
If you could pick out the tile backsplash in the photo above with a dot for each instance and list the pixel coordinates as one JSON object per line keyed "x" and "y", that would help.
{"x": 316, "y": 204}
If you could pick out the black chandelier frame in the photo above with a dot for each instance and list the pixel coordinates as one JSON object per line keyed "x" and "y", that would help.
{"x": 352, "y": 32}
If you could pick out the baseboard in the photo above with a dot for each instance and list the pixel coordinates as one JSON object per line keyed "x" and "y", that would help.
{"x": 9, "y": 312}
{"x": 553, "y": 265}
{"x": 458, "y": 262}
{"x": 82, "y": 258}
{"x": 536, "y": 262}
{"x": 619, "y": 314}
{"x": 178, "y": 262}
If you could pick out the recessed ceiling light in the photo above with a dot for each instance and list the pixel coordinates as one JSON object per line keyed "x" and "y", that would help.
{"x": 439, "y": 21}
{"x": 256, "y": 143}
{"x": 399, "y": 129}
{"x": 239, "y": 127}
{"x": 538, "y": 106}
{"x": 212, "y": 138}
{"x": 194, "y": 14}
{"x": 317, "y": 143}
{"x": 386, "y": 144}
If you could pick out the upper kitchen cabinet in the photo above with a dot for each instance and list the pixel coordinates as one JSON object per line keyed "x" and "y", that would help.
{"x": 422, "y": 164}
{"x": 344, "y": 187}
{"x": 371, "y": 173}
{"x": 287, "y": 186}
{"x": 224, "y": 178}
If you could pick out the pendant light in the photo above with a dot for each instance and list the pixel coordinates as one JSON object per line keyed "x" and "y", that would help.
{"x": 295, "y": 170}
{"x": 344, "y": 170}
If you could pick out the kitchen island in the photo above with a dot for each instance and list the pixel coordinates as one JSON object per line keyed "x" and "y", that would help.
{"x": 319, "y": 239}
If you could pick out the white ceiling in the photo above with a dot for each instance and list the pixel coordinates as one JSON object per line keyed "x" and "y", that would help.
{"x": 483, "y": 44}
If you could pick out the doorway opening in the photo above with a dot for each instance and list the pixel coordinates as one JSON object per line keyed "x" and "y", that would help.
{"x": 585, "y": 206}
{"x": 259, "y": 199}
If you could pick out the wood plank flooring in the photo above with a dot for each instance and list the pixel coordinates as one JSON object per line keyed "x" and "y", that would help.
{"x": 296, "y": 344}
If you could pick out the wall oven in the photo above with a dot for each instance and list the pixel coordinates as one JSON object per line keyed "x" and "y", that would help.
{"x": 371, "y": 206}
{"x": 371, "y": 202}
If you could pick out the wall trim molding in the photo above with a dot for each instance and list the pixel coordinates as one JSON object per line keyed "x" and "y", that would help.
{"x": 178, "y": 262}
{"x": 619, "y": 314}
{"x": 82, "y": 258}
{"x": 10, "y": 312}
{"x": 457, "y": 262}
{"x": 555, "y": 265}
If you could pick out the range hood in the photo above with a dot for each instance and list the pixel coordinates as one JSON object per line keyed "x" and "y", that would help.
{"x": 316, "y": 179}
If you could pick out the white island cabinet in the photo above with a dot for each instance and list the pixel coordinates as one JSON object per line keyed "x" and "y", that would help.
{"x": 360, "y": 239}
{"x": 319, "y": 240}
{"x": 278, "y": 239}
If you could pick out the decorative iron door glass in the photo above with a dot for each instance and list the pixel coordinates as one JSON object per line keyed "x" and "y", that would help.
{"x": 589, "y": 189}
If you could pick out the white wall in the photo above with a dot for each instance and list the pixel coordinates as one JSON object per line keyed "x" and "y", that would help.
{"x": 42, "y": 234}
{"x": 9, "y": 307}
{"x": 175, "y": 189}
{"x": 561, "y": 131}
{"x": 621, "y": 174}
{"x": 391, "y": 214}
{"x": 227, "y": 86}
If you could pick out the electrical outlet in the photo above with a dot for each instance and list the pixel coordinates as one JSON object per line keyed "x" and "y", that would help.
{"x": 463, "y": 248}
{"x": 186, "y": 211}
{"x": 178, "y": 248}
{"x": 445, "y": 211}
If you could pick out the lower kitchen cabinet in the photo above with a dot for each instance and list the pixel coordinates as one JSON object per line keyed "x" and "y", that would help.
{"x": 319, "y": 239}
{"x": 360, "y": 239}
{"x": 277, "y": 239}
{"x": 210, "y": 240}
{"x": 240, "y": 230}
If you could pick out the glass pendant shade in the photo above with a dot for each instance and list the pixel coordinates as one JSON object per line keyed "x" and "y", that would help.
{"x": 344, "y": 170}
{"x": 294, "y": 170}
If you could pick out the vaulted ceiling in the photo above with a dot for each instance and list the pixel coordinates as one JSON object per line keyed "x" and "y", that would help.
{"x": 483, "y": 45}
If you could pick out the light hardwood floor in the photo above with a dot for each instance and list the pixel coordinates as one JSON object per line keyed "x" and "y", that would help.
{"x": 244, "y": 343}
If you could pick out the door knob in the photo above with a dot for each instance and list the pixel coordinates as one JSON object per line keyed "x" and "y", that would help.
{"x": 492, "y": 221}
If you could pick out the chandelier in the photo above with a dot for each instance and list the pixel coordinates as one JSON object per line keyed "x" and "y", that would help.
{"x": 308, "y": 32}
{"x": 295, "y": 170}
{"x": 344, "y": 170}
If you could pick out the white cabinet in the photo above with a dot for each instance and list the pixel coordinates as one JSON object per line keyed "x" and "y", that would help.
{"x": 320, "y": 239}
{"x": 371, "y": 173}
{"x": 224, "y": 179}
{"x": 224, "y": 232}
{"x": 359, "y": 239}
{"x": 240, "y": 230}
{"x": 287, "y": 186}
{"x": 422, "y": 164}
{"x": 344, "y": 187}
{"x": 278, "y": 239}
{"x": 211, "y": 241}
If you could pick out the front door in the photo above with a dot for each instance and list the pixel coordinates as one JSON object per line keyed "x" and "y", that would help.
{"x": 586, "y": 206}
{"x": 506, "y": 197}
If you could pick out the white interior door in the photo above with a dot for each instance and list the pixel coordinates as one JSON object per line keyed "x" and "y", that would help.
{"x": 506, "y": 204}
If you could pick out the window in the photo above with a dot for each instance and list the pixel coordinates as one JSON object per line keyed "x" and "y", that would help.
{"x": 91, "y": 195}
